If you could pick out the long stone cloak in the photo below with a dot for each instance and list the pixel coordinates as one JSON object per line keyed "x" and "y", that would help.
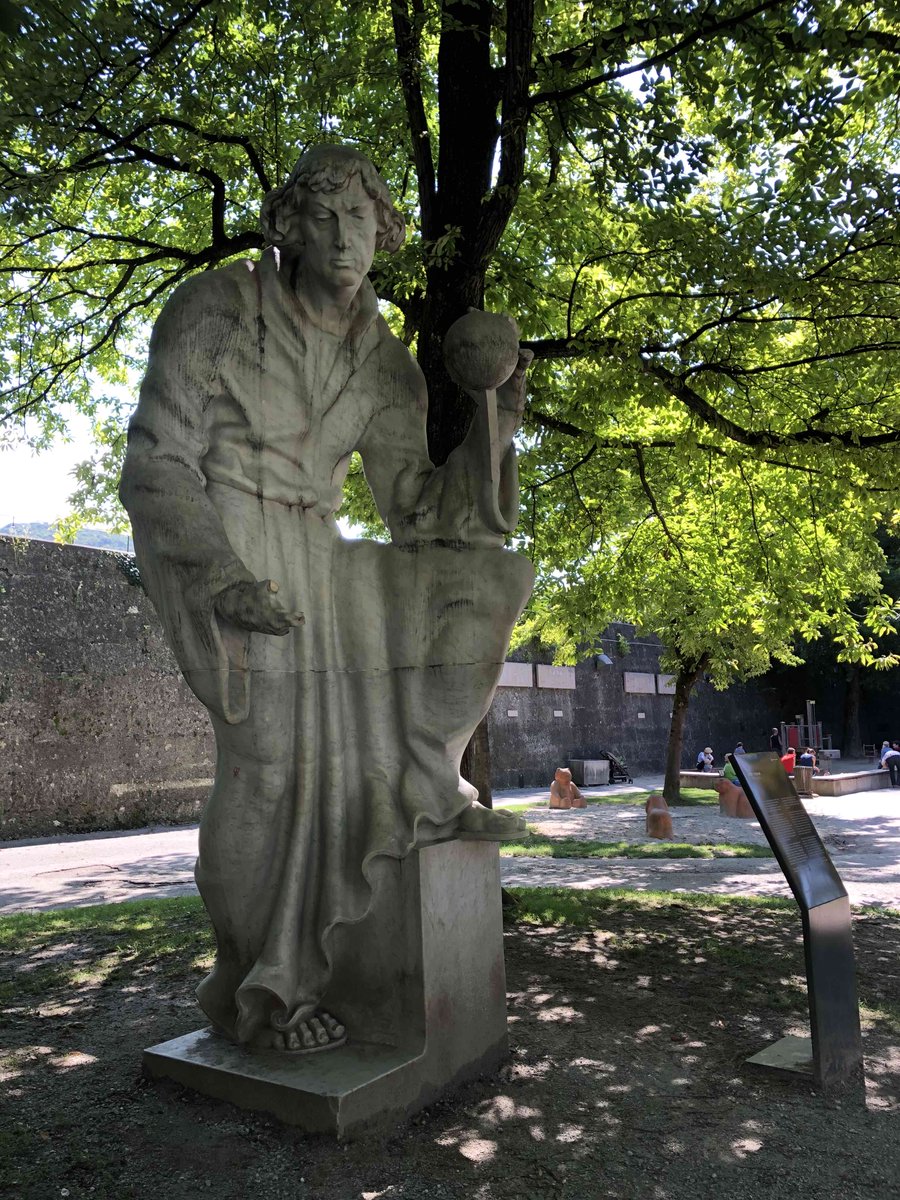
{"x": 340, "y": 742}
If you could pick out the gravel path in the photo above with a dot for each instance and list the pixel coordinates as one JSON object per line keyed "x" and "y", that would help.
{"x": 861, "y": 831}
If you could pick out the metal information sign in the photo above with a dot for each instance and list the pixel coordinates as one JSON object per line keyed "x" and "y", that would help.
{"x": 835, "y": 1060}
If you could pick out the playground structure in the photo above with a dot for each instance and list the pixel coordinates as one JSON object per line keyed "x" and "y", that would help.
{"x": 802, "y": 733}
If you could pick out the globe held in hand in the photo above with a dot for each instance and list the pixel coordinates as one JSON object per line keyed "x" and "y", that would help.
{"x": 481, "y": 350}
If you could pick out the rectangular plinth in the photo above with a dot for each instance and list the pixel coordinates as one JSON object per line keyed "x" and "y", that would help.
{"x": 315, "y": 1091}
{"x": 451, "y": 994}
{"x": 590, "y": 772}
{"x": 704, "y": 780}
{"x": 353, "y": 1089}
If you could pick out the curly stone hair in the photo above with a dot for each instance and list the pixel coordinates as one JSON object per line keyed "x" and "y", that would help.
{"x": 330, "y": 169}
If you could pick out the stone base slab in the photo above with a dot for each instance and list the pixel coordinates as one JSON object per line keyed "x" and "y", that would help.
{"x": 704, "y": 780}
{"x": 347, "y": 1091}
{"x": 590, "y": 772}
{"x": 421, "y": 987}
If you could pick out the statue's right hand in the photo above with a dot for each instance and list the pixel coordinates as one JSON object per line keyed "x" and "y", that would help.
{"x": 257, "y": 607}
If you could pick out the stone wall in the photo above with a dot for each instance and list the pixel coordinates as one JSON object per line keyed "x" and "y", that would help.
{"x": 553, "y": 724}
{"x": 97, "y": 729}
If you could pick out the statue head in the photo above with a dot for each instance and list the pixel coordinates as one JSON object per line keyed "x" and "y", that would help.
{"x": 563, "y": 776}
{"x": 330, "y": 169}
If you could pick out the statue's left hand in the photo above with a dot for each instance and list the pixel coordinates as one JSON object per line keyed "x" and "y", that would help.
{"x": 511, "y": 395}
{"x": 257, "y": 608}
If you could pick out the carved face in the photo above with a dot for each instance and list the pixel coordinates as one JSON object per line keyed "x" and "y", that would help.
{"x": 338, "y": 232}
{"x": 563, "y": 776}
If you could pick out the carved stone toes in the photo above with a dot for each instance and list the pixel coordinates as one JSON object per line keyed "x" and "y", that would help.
{"x": 319, "y": 1031}
{"x": 479, "y": 823}
{"x": 334, "y": 1028}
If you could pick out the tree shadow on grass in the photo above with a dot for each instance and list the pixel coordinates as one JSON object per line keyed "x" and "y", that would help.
{"x": 538, "y": 845}
{"x": 630, "y": 1019}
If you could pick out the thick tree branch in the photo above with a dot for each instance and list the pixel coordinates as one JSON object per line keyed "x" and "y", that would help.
{"x": 735, "y": 371}
{"x": 577, "y": 347}
{"x": 707, "y": 27}
{"x": 676, "y": 386}
{"x": 127, "y": 139}
{"x": 648, "y": 492}
{"x": 407, "y": 41}
{"x": 514, "y": 116}
{"x": 133, "y": 66}
{"x": 629, "y": 445}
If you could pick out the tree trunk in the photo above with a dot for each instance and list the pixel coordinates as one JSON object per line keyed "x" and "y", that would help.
{"x": 450, "y": 294}
{"x": 851, "y": 741}
{"x": 685, "y": 680}
{"x": 468, "y": 95}
{"x": 476, "y": 763}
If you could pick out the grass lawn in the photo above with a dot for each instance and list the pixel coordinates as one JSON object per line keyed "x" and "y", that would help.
{"x": 690, "y": 797}
{"x": 538, "y": 845}
{"x": 631, "y": 1015}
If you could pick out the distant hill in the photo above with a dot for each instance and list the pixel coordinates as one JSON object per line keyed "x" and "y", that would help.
{"x": 99, "y": 539}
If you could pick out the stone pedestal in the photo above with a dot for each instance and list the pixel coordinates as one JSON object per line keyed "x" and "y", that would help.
{"x": 590, "y": 772}
{"x": 421, "y": 986}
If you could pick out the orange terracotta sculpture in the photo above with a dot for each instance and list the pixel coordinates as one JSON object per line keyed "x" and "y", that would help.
{"x": 659, "y": 819}
{"x": 563, "y": 792}
{"x": 732, "y": 801}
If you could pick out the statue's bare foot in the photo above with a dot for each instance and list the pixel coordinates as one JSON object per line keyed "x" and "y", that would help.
{"x": 320, "y": 1032}
{"x": 481, "y": 824}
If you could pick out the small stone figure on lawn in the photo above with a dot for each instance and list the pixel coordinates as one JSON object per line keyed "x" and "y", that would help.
{"x": 732, "y": 801}
{"x": 659, "y": 819}
{"x": 563, "y": 792}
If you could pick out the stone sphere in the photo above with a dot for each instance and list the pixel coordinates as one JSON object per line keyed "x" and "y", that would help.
{"x": 481, "y": 350}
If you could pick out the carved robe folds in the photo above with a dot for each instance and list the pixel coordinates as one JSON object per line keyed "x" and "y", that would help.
{"x": 341, "y": 741}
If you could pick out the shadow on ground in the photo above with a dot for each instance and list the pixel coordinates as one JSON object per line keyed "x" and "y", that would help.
{"x": 629, "y": 1027}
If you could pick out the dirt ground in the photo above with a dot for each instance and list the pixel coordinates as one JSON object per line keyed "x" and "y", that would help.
{"x": 626, "y": 1076}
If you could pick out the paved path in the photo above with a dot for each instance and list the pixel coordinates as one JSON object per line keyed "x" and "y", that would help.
{"x": 862, "y": 833}
{"x": 100, "y": 868}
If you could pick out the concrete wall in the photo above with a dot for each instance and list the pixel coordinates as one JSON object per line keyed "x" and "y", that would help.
{"x": 97, "y": 729}
{"x": 600, "y": 714}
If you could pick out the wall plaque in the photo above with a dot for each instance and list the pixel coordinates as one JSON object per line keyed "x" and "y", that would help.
{"x": 555, "y": 677}
{"x": 516, "y": 674}
{"x": 639, "y": 682}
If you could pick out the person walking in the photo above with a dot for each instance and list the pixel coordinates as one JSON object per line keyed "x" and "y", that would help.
{"x": 890, "y": 758}
{"x": 775, "y": 741}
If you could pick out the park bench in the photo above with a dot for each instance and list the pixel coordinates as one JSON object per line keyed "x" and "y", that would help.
{"x": 851, "y": 781}
{"x": 706, "y": 780}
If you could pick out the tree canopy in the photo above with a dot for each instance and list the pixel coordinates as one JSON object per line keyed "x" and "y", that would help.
{"x": 691, "y": 208}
